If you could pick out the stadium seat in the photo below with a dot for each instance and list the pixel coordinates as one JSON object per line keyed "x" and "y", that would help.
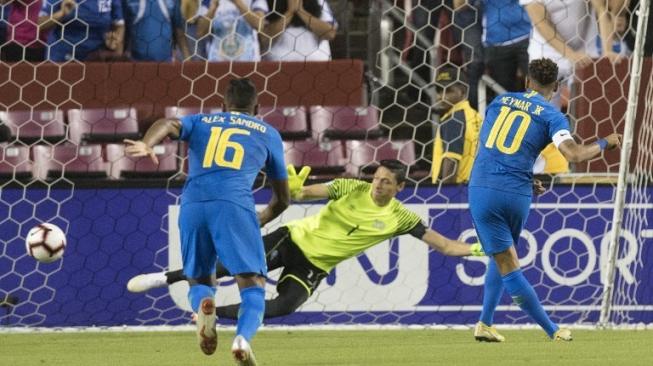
{"x": 122, "y": 166}
{"x": 363, "y": 156}
{"x": 31, "y": 126}
{"x": 291, "y": 122}
{"x": 71, "y": 161}
{"x": 14, "y": 162}
{"x": 325, "y": 158}
{"x": 102, "y": 125}
{"x": 345, "y": 123}
{"x": 178, "y": 112}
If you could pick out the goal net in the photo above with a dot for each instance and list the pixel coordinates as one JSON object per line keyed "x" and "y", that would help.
{"x": 378, "y": 98}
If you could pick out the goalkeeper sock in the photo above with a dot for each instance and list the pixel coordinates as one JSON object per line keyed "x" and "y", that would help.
{"x": 523, "y": 295}
{"x": 175, "y": 276}
{"x": 197, "y": 293}
{"x": 251, "y": 311}
{"x": 492, "y": 291}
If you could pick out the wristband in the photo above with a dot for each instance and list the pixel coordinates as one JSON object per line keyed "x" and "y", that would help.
{"x": 603, "y": 143}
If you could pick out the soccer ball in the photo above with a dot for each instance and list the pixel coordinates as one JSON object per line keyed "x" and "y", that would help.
{"x": 45, "y": 242}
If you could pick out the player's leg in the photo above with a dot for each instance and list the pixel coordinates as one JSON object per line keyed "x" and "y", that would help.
{"x": 240, "y": 248}
{"x": 148, "y": 281}
{"x": 489, "y": 225}
{"x": 198, "y": 257}
{"x": 516, "y": 284}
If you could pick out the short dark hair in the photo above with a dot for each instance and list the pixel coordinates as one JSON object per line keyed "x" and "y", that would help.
{"x": 399, "y": 169}
{"x": 241, "y": 94}
{"x": 543, "y": 70}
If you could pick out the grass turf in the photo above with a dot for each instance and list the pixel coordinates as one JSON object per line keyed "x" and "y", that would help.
{"x": 377, "y": 348}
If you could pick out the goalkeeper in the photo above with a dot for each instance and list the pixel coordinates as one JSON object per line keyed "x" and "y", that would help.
{"x": 358, "y": 216}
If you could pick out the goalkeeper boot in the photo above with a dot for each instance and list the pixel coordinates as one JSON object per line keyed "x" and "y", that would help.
{"x": 147, "y": 281}
{"x": 562, "y": 334}
{"x": 486, "y": 333}
{"x": 242, "y": 352}
{"x": 206, "y": 333}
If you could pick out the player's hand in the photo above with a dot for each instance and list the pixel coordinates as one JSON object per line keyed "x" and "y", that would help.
{"x": 614, "y": 140}
{"x": 67, "y": 6}
{"x": 213, "y": 5}
{"x": 296, "y": 181}
{"x": 538, "y": 188}
{"x": 294, "y": 6}
{"x": 477, "y": 250}
{"x": 139, "y": 149}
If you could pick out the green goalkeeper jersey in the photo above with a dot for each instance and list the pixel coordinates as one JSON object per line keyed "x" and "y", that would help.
{"x": 350, "y": 223}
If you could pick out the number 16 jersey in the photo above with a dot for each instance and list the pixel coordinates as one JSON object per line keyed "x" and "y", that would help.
{"x": 226, "y": 152}
{"x": 517, "y": 126}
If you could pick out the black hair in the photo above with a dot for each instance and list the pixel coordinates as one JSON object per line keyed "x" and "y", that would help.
{"x": 279, "y": 7}
{"x": 398, "y": 168}
{"x": 241, "y": 94}
{"x": 543, "y": 71}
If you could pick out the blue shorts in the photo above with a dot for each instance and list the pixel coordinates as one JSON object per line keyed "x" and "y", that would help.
{"x": 498, "y": 217}
{"x": 220, "y": 229}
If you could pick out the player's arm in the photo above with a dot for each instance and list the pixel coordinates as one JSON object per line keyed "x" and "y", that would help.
{"x": 540, "y": 20}
{"x": 155, "y": 134}
{"x": 278, "y": 203}
{"x": 299, "y": 192}
{"x": 275, "y": 168}
{"x": 576, "y": 153}
{"x": 445, "y": 245}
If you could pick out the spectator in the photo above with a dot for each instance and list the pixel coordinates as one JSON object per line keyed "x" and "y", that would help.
{"x": 506, "y": 32}
{"x": 24, "y": 41}
{"x": 551, "y": 161}
{"x": 565, "y": 31}
{"x": 457, "y": 135}
{"x": 468, "y": 32}
{"x": 234, "y": 26}
{"x": 153, "y": 28}
{"x": 90, "y": 30}
{"x": 299, "y": 30}
{"x": 617, "y": 6}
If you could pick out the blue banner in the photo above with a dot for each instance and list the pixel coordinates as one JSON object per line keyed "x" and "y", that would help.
{"x": 114, "y": 234}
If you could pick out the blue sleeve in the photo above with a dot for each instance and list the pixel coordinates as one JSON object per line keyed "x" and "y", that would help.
{"x": 275, "y": 166}
{"x": 556, "y": 121}
{"x": 116, "y": 12}
{"x": 187, "y": 124}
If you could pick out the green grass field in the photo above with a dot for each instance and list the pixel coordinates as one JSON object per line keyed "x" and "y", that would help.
{"x": 374, "y": 348}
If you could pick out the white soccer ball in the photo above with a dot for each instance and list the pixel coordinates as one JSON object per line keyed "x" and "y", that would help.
{"x": 45, "y": 242}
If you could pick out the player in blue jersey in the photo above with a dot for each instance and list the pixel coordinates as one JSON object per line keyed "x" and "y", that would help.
{"x": 217, "y": 215}
{"x": 516, "y": 128}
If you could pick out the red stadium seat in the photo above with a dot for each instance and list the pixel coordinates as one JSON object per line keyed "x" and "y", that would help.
{"x": 102, "y": 125}
{"x": 15, "y": 162}
{"x": 291, "y": 122}
{"x": 325, "y": 158}
{"x": 178, "y": 112}
{"x": 345, "y": 122}
{"x": 363, "y": 156}
{"x": 122, "y": 166}
{"x": 71, "y": 161}
{"x": 32, "y": 126}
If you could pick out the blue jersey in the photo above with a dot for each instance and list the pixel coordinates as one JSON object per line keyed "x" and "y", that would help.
{"x": 83, "y": 29}
{"x": 151, "y": 26}
{"x": 504, "y": 22}
{"x": 226, "y": 152}
{"x": 516, "y": 128}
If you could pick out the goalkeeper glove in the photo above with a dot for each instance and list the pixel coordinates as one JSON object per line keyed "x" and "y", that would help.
{"x": 477, "y": 250}
{"x": 296, "y": 181}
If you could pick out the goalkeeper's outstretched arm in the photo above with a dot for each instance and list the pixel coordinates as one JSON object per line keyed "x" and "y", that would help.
{"x": 451, "y": 247}
{"x": 299, "y": 192}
